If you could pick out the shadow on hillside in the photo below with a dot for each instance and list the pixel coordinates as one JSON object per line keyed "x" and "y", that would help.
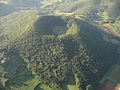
{"x": 50, "y": 25}
{"x": 103, "y": 52}
{"x": 17, "y": 69}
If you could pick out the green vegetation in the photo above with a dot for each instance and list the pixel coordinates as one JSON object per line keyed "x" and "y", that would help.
{"x": 6, "y": 9}
{"x": 41, "y": 86}
{"x": 65, "y": 51}
{"x": 114, "y": 10}
{"x": 56, "y": 25}
{"x": 53, "y": 52}
{"x": 45, "y": 4}
{"x": 28, "y": 85}
{"x": 70, "y": 85}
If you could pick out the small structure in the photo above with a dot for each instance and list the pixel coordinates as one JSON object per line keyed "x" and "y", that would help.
{"x": 111, "y": 80}
{"x": 3, "y": 61}
{"x": 118, "y": 87}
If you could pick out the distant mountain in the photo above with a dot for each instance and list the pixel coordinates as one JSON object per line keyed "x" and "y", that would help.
{"x": 89, "y": 7}
{"x": 6, "y": 9}
{"x": 22, "y": 2}
{"x": 51, "y": 0}
{"x": 84, "y": 7}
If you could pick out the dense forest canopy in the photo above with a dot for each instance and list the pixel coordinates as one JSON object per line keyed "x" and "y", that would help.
{"x": 52, "y": 56}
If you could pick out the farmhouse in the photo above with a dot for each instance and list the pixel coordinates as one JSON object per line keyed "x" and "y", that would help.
{"x": 2, "y": 61}
{"x": 111, "y": 80}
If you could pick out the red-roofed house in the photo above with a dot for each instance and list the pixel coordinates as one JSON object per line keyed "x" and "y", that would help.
{"x": 2, "y": 61}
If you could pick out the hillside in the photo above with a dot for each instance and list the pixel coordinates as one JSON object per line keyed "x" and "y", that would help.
{"x": 57, "y": 51}
{"x": 6, "y": 9}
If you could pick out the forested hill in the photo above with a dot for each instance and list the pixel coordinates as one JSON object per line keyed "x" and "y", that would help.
{"x": 53, "y": 49}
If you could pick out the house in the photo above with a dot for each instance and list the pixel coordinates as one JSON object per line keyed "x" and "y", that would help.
{"x": 118, "y": 87}
{"x": 2, "y": 61}
{"x": 111, "y": 80}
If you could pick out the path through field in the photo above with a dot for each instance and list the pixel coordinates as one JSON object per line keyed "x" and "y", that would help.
{"x": 110, "y": 29}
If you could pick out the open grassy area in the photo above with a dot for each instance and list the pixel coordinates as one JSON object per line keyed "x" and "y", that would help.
{"x": 28, "y": 85}
{"x": 41, "y": 86}
{"x": 31, "y": 84}
{"x": 71, "y": 85}
{"x": 45, "y": 4}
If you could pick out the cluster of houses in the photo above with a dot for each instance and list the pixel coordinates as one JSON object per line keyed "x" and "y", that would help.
{"x": 3, "y": 59}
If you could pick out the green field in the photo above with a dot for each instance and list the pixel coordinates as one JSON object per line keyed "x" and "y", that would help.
{"x": 28, "y": 85}
{"x": 70, "y": 85}
{"x": 41, "y": 86}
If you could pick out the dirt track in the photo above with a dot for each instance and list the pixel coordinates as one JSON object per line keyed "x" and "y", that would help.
{"x": 110, "y": 29}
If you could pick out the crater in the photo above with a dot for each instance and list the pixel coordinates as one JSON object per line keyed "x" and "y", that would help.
{"x": 50, "y": 25}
